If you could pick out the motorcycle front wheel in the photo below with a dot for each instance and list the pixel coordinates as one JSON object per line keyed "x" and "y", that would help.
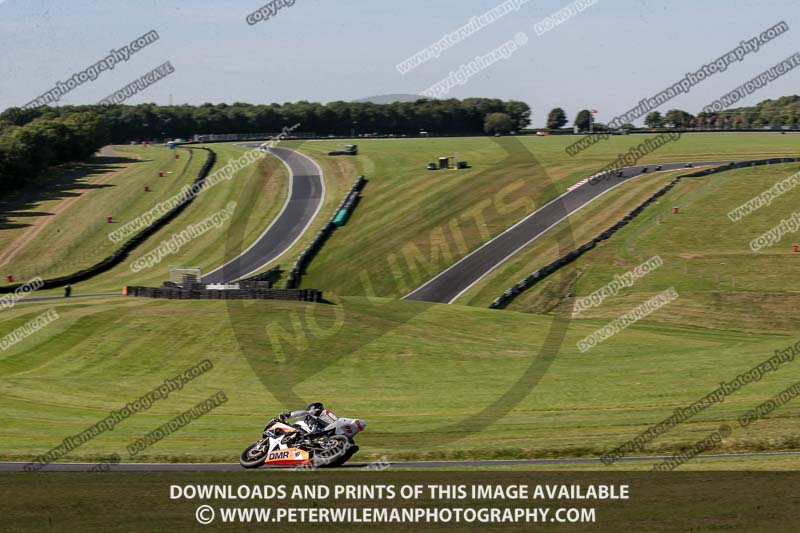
{"x": 252, "y": 458}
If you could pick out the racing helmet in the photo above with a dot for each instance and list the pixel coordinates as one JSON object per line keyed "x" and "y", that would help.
{"x": 315, "y": 409}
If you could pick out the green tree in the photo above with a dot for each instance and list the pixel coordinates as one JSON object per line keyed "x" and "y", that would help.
{"x": 28, "y": 150}
{"x": 556, "y": 119}
{"x": 498, "y": 123}
{"x": 583, "y": 119}
{"x": 653, "y": 120}
{"x": 678, "y": 117}
{"x": 519, "y": 112}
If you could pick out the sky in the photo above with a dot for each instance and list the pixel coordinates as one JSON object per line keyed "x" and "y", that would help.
{"x": 608, "y": 56}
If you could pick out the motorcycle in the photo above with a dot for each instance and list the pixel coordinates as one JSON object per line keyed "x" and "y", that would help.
{"x": 282, "y": 444}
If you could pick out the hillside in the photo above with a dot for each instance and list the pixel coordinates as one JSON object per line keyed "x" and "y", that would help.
{"x": 707, "y": 258}
{"x": 446, "y": 386}
{"x": 412, "y": 223}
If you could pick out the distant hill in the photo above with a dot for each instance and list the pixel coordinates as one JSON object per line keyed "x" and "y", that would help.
{"x": 390, "y": 98}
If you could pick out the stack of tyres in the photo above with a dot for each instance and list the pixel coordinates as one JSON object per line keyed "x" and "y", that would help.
{"x": 302, "y": 295}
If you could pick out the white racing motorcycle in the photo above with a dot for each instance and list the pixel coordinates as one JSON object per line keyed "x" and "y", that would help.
{"x": 282, "y": 444}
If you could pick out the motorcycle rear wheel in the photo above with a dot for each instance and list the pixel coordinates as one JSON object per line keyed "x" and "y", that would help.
{"x": 337, "y": 454}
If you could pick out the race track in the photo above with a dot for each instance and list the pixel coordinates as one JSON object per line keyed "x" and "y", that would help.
{"x": 306, "y": 194}
{"x": 220, "y": 467}
{"x": 451, "y": 283}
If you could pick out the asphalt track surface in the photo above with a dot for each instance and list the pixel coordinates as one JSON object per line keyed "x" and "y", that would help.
{"x": 306, "y": 194}
{"x": 451, "y": 283}
{"x": 221, "y": 467}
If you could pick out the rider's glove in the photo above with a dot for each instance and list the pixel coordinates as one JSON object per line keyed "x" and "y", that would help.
{"x": 287, "y": 414}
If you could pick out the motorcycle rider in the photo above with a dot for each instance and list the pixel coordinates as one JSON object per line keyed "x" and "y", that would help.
{"x": 315, "y": 416}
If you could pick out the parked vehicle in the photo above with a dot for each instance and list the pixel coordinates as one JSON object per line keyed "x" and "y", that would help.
{"x": 350, "y": 149}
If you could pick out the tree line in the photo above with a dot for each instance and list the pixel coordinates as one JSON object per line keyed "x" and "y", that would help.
{"x": 784, "y": 111}
{"x": 27, "y": 150}
{"x": 150, "y": 121}
{"x": 32, "y": 140}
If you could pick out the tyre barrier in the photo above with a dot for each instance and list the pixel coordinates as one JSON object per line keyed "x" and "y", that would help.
{"x": 304, "y": 259}
{"x": 269, "y": 275}
{"x": 297, "y": 295}
{"x": 134, "y": 242}
{"x": 509, "y": 295}
{"x": 254, "y": 285}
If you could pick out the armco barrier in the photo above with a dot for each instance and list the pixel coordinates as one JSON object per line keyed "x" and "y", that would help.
{"x": 122, "y": 253}
{"x": 508, "y": 296}
{"x": 350, "y": 201}
{"x": 298, "y": 295}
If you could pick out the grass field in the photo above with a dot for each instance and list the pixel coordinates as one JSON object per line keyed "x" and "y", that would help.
{"x": 259, "y": 191}
{"x": 406, "y": 229}
{"x": 413, "y": 223}
{"x": 437, "y": 369}
{"x": 65, "y": 229}
{"x": 565, "y": 237}
{"x": 721, "y": 282}
{"x": 462, "y": 373}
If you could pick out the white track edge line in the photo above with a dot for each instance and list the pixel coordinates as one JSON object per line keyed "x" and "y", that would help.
{"x": 310, "y": 221}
